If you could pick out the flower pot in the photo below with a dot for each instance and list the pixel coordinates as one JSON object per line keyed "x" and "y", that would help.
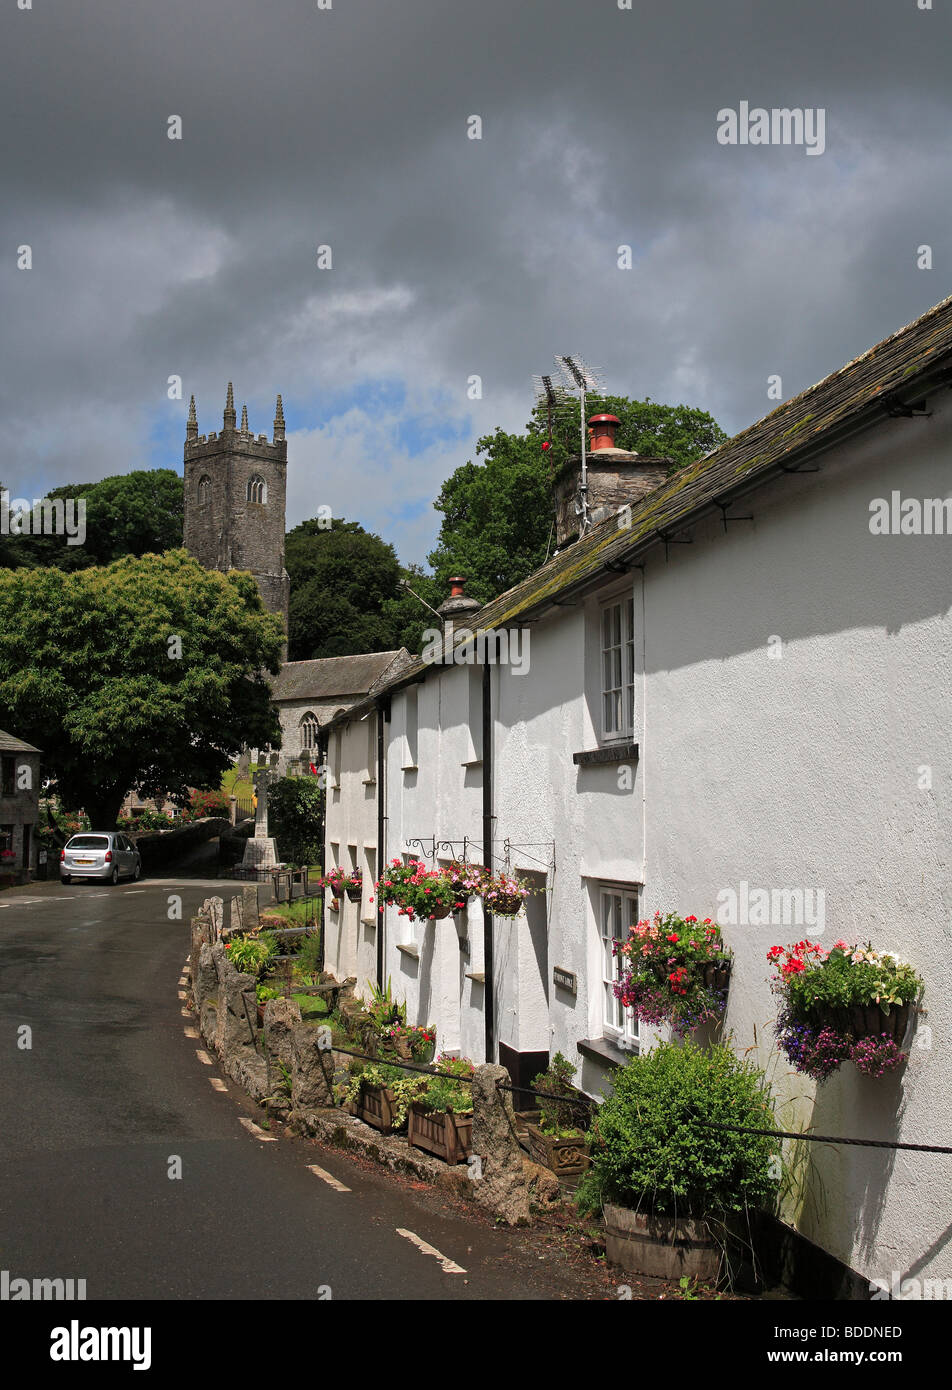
{"x": 666, "y": 1247}
{"x": 335, "y": 904}
{"x": 354, "y": 892}
{"x": 566, "y": 1157}
{"x": 376, "y": 1107}
{"x": 401, "y": 1045}
{"x": 448, "y": 1136}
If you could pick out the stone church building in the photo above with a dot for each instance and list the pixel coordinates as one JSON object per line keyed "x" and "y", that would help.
{"x": 235, "y": 495}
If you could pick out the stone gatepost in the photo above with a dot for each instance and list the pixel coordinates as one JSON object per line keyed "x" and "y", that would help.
{"x": 215, "y": 909}
{"x": 499, "y": 1184}
{"x": 249, "y": 907}
{"x": 280, "y": 1018}
{"x": 234, "y": 919}
{"x": 205, "y": 993}
{"x": 312, "y": 1074}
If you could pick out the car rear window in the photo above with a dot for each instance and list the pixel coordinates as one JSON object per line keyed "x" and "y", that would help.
{"x": 89, "y": 842}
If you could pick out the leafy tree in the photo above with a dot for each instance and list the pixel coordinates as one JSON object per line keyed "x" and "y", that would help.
{"x": 90, "y": 673}
{"x": 341, "y": 579}
{"x": 498, "y": 516}
{"x": 131, "y": 514}
{"x": 295, "y": 805}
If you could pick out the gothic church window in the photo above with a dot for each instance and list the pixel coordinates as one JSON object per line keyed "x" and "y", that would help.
{"x": 309, "y": 730}
{"x": 257, "y": 489}
{"x": 204, "y": 490}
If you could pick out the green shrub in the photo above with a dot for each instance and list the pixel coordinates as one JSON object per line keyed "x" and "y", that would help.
{"x": 560, "y": 1118}
{"x": 648, "y": 1154}
{"x": 252, "y": 954}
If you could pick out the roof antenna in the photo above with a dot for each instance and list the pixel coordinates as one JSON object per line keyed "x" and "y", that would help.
{"x": 581, "y": 378}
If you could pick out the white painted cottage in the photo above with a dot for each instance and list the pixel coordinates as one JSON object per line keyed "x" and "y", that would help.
{"x": 740, "y": 681}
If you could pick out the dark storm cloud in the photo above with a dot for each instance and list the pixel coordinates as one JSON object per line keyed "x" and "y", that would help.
{"x": 451, "y": 257}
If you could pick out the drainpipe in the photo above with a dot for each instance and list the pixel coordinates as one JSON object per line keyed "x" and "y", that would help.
{"x": 383, "y": 712}
{"x": 321, "y": 750}
{"x": 488, "y": 818}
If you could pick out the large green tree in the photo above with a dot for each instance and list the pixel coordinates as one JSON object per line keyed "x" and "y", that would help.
{"x": 341, "y": 579}
{"x": 498, "y": 516}
{"x": 131, "y": 514}
{"x": 147, "y": 673}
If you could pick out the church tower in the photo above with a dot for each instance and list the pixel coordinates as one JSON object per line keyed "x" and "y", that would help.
{"x": 235, "y": 501}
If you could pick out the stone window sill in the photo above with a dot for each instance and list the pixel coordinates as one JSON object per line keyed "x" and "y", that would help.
{"x": 368, "y": 921}
{"x": 472, "y": 762}
{"x": 605, "y": 1051}
{"x": 611, "y": 753}
{"x": 368, "y": 781}
{"x": 478, "y": 975}
{"x": 408, "y": 950}
{"x": 410, "y": 767}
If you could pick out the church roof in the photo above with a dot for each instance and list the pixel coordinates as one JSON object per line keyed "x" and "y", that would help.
{"x": 332, "y": 676}
{"x": 9, "y": 744}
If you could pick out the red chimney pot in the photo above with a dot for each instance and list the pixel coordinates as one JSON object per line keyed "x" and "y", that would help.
{"x": 456, "y": 587}
{"x": 602, "y": 429}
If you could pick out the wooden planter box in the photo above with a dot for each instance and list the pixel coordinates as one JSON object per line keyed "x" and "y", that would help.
{"x": 566, "y": 1157}
{"x": 869, "y": 1022}
{"x": 448, "y": 1136}
{"x": 376, "y": 1107}
{"x": 665, "y": 1247}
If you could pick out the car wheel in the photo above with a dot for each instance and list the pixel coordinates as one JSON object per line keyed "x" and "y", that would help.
{"x": 137, "y": 872}
{"x": 114, "y": 876}
{"x": 64, "y": 878}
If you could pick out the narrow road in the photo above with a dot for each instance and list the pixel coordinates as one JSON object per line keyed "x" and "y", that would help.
{"x": 111, "y": 1092}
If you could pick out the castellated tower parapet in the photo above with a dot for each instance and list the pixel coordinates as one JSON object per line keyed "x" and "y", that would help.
{"x": 235, "y": 495}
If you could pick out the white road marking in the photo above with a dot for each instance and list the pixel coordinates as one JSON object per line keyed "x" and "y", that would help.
{"x": 191, "y": 1032}
{"x": 217, "y": 1083}
{"x": 182, "y": 994}
{"x": 449, "y": 1266}
{"x": 186, "y": 1013}
{"x": 252, "y": 1128}
{"x": 204, "y": 1057}
{"x": 131, "y": 892}
{"x": 327, "y": 1177}
{"x": 100, "y": 895}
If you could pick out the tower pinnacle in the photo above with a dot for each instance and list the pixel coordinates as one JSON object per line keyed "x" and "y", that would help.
{"x": 229, "y": 418}
{"x": 279, "y": 419}
{"x": 244, "y": 419}
{"x": 191, "y": 428}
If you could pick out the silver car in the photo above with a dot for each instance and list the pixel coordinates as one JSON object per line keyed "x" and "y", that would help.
{"x": 105, "y": 856}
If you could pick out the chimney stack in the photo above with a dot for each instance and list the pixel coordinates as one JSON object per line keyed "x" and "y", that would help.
{"x": 616, "y": 477}
{"x": 457, "y": 605}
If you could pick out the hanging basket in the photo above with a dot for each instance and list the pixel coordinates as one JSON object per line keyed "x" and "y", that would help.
{"x": 716, "y": 975}
{"x": 354, "y": 891}
{"x": 440, "y": 911}
{"x": 503, "y": 904}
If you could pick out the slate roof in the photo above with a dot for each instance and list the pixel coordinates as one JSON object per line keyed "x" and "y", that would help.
{"x": 882, "y": 382}
{"x": 333, "y": 676}
{"x": 9, "y": 744}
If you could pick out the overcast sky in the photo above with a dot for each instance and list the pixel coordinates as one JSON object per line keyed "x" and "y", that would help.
{"x": 452, "y": 257}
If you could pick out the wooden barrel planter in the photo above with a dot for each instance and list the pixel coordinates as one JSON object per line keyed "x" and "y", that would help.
{"x": 666, "y": 1247}
{"x": 376, "y": 1107}
{"x": 440, "y": 1132}
{"x": 566, "y": 1157}
{"x": 866, "y": 1022}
